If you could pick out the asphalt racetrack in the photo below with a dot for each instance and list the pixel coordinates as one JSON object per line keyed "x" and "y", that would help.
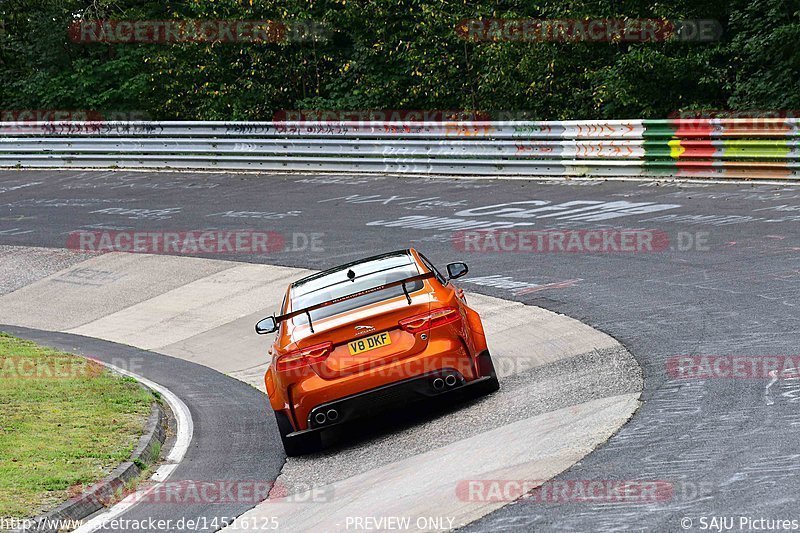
{"x": 721, "y": 280}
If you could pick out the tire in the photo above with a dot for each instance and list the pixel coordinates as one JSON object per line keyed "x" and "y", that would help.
{"x": 299, "y": 444}
{"x": 486, "y": 367}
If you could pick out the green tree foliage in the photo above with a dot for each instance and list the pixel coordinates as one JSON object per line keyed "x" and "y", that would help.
{"x": 764, "y": 71}
{"x": 399, "y": 54}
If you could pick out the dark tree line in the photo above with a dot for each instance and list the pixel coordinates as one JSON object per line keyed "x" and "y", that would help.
{"x": 400, "y": 54}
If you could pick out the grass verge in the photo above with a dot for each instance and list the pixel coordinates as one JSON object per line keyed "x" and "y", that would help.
{"x": 65, "y": 423}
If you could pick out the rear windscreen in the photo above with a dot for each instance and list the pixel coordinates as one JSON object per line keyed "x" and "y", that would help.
{"x": 347, "y": 287}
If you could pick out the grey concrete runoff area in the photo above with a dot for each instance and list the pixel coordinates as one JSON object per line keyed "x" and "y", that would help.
{"x": 203, "y": 310}
{"x": 562, "y": 324}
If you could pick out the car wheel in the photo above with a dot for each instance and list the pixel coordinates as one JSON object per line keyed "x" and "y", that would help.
{"x": 298, "y": 444}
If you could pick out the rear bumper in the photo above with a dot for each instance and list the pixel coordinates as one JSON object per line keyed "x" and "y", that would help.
{"x": 312, "y": 390}
{"x": 392, "y": 395}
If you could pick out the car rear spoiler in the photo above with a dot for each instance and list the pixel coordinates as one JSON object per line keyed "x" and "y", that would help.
{"x": 307, "y": 310}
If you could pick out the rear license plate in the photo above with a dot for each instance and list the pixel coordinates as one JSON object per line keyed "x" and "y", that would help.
{"x": 369, "y": 343}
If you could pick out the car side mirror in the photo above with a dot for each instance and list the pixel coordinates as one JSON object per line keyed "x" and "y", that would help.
{"x": 267, "y": 325}
{"x": 456, "y": 270}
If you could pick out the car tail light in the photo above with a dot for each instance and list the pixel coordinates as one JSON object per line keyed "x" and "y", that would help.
{"x": 306, "y": 356}
{"x": 431, "y": 319}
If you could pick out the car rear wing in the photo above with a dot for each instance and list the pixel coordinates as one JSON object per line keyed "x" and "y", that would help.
{"x": 307, "y": 310}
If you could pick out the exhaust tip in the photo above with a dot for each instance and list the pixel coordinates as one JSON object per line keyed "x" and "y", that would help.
{"x": 450, "y": 380}
{"x": 332, "y": 414}
{"x": 320, "y": 418}
{"x": 438, "y": 383}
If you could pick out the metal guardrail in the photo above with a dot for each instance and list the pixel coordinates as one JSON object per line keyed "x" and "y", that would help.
{"x": 718, "y": 148}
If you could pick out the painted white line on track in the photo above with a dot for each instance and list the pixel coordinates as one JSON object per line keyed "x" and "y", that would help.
{"x": 183, "y": 438}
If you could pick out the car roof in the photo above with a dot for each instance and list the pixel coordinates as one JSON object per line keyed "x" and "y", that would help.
{"x": 335, "y": 275}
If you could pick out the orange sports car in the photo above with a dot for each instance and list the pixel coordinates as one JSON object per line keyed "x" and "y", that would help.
{"x": 373, "y": 334}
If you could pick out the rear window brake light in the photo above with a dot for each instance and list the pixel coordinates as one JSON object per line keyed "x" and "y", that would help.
{"x": 431, "y": 319}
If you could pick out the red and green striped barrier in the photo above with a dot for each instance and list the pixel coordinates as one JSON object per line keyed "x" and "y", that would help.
{"x": 746, "y": 147}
